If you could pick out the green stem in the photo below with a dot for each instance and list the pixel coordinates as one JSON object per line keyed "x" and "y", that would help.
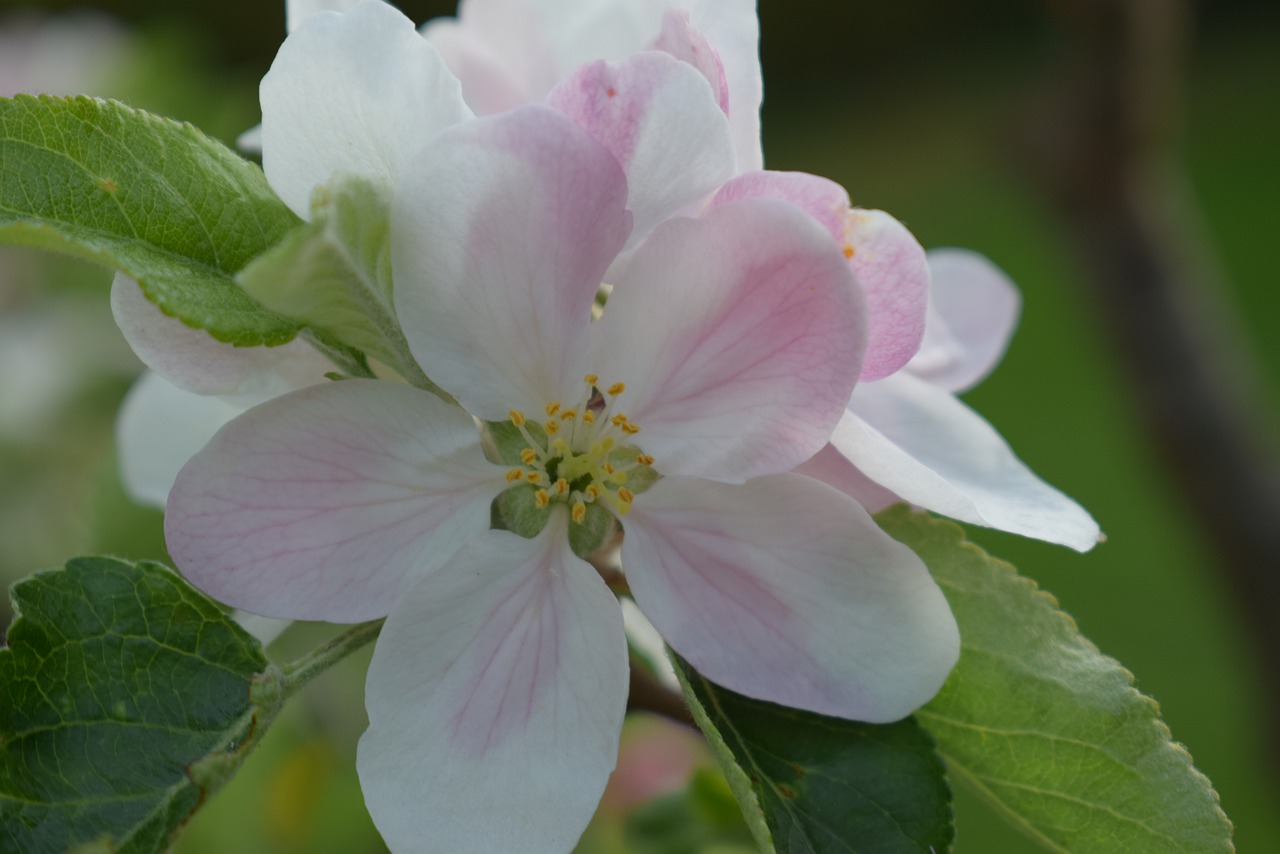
{"x": 302, "y": 670}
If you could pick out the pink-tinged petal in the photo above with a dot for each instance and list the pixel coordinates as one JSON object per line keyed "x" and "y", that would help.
{"x": 821, "y": 198}
{"x": 325, "y": 503}
{"x": 643, "y": 110}
{"x": 737, "y": 336}
{"x": 495, "y": 697}
{"x": 501, "y": 50}
{"x": 890, "y": 265}
{"x": 159, "y": 428}
{"x": 925, "y": 445}
{"x": 834, "y": 469}
{"x": 683, "y": 41}
{"x": 785, "y": 590}
{"x": 357, "y": 93}
{"x": 733, "y": 29}
{"x": 500, "y": 236}
{"x": 297, "y": 11}
{"x": 887, "y": 260}
{"x": 973, "y": 311}
{"x": 193, "y": 360}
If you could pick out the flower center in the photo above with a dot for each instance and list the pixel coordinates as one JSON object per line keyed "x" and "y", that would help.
{"x": 580, "y": 454}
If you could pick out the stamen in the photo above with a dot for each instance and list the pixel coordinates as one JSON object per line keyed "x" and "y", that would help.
{"x": 626, "y": 494}
{"x": 552, "y": 428}
{"x": 630, "y": 429}
{"x": 534, "y": 477}
{"x": 579, "y": 512}
{"x": 591, "y": 379}
{"x": 644, "y": 459}
{"x": 528, "y": 456}
{"x": 617, "y": 389}
{"x": 562, "y": 486}
{"x": 541, "y": 498}
{"x": 588, "y": 418}
{"x": 514, "y": 474}
{"x": 592, "y": 491}
{"x": 517, "y": 417}
{"x": 553, "y": 408}
{"x": 568, "y": 415}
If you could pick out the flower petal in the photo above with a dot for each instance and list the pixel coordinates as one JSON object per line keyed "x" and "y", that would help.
{"x": 643, "y": 110}
{"x": 321, "y": 505}
{"x": 297, "y": 11}
{"x": 925, "y": 445}
{"x": 194, "y": 360}
{"x": 495, "y": 696}
{"x": 737, "y": 336}
{"x": 834, "y": 469}
{"x": 683, "y": 41}
{"x": 886, "y": 259}
{"x": 500, "y": 237}
{"x": 159, "y": 428}
{"x": 359, "y": 93}
{"x": 733, "y": 29}
{"x": 973, "y": 311}
{"x": 785, "y": 590}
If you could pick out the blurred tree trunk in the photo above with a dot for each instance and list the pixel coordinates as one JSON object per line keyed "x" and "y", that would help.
{"x": 1106, "y": 155}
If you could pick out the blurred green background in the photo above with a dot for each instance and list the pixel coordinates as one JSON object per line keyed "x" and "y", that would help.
{"x": 918, "y": 108}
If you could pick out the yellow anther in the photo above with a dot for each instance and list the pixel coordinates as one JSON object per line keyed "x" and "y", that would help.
{"x": 562, "y": 486}
{"x": 630, "y": 429}
{"x": 528, "y": 456}
{"x": 541, "y": 498}
{"x": 608, "y": 467}
{"x": 568, "y": 415}
{"x": 514, "y": 474}
{"x": 626, "y": 495}
{"x": 618, "y": 420}
{"x": 517, "y": 417}
{"x": 849, "y": 250}
{"x": 552, "y": 428}
{"x": 617, "y": 389}
{"x": 591, "y": 379}
{"x": 553, "y": 408}
{"x": 534, "y": 477}
{"x": 588, "y": 418}
{"x": 579, "y": 512}
{"x": 592, "y": 490}
{"x": 644, "y": 459}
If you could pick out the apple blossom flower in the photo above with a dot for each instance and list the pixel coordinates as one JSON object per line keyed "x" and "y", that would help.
{"x": 721, "y": 361}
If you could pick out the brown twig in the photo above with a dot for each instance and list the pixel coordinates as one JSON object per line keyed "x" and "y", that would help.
{"x": 648, "y": 694}
{"x": 1106, "y": 157}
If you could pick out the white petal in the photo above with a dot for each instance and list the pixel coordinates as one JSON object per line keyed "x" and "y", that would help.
{"x": 923, "y": 444}
{"x": 500, "y": 237}
{"x": 358, "y": 93}
{"x": 325, "y": 503}
{"x": 495, "y": 697}
{"x": 785, "y": 590}
{"x": 973, "y": 310}
{"x": 733, "y": 29}
{"x": 159, "y": 428}
{"x": 194, "y": 360}
{"x": 297, "y": 11}
{"x": 658, "y": 116}
{"x": 737, "y": 336}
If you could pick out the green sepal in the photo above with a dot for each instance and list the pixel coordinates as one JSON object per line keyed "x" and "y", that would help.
{"x": 519, "y": 512}
{"x": 1044, "y": 726}
{"x": 813, "y": 783}
{"x": 129, "y": 698}
{"x": 597, "y": 532}
{"x": 334, "y": 273}
{"x": 177, "y": 211}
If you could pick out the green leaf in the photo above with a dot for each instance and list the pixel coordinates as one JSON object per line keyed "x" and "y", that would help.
{"x": 334, "y": 273}
{"x": 1045, "y": 726}
{"x": 823, "y": 784}
{"x": 177, "y": 211}
{"x": 128, "y": 699}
